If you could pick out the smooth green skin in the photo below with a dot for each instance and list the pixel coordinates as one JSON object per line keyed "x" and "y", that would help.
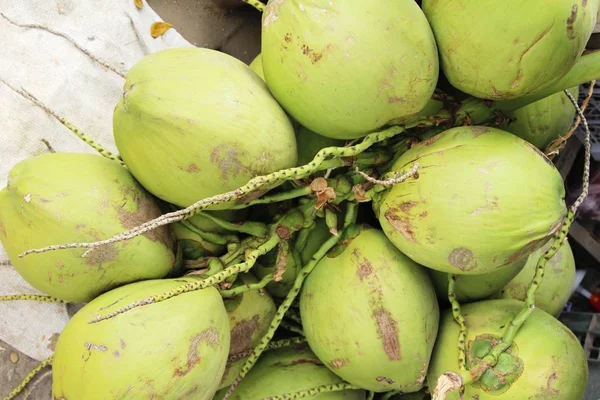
{"x": 281, "y": 288}
{"x": 555, "y": 365}
{"x": 257, "y": 66}
{"x": 250, "y": 315}
{"x": 345, "y": 68}
{"x": 195, "y": 122}
{"x": 502, "y": 50}
{"x": 544, "y": 121}
{"x": 169, "y": 350}
{"x": 289, "y": 370}
{"x": 556, "y": 287}
{"x": 484, "y": 198}
{"x": 310, "y": 143}
{"x": 59, "y": 198}
{"x": 371, "y": 315}
{"x": 469, "y": 288}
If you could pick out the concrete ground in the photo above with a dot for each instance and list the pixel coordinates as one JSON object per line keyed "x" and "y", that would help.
{"x": 205, "y": 24}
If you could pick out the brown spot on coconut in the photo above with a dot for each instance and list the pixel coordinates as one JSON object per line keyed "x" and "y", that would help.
{"x": 393, "y": 299}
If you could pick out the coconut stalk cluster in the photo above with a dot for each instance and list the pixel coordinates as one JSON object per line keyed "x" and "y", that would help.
{"x": 365, "y": 211}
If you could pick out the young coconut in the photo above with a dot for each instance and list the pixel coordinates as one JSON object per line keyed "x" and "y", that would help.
{"x": 169, "y": 350}
{"x": 250, "y": 315}
{"x": 60, "y": 198}
{"x": 470, "y": 288}
{"x": 345, "y": 68}
{"x": 370, "y": 314}
{"x": 286, "y": 370}
{"x": 556, "y": 286}
{"x": 546, "y": 361}
{"x": 544, "y": 121}
{"x": 484, "y": 199}
{"x": 186, "y": 121}
{"x": 488, "y": 58}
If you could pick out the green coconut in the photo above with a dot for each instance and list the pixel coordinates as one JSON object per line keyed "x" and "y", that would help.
{"x": 557, "y": 285}
{"x": 544, "y": 121}
{"x": 59, "y": 198}
{"x": 256, "y": 66}
{"x": 470, "y": 288}
{"x": 194, "y": 122}
{"x": 250, "y": 315}
{"x": 546, "y": 360}
{"x": 268, "y": 262}
{"x": 484, "y": 199}
{"x": 370, "y": 314}
{"x": 170, "y": 350}
{"x": 345, "y": 68}
{"x": 504, "y": 50}
{"x": 288, "y": 370}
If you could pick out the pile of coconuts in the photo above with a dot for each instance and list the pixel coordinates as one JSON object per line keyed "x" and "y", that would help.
{"x": 365, "y": 211}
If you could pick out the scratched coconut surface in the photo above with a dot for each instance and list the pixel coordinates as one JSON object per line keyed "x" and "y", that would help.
{"x": 64, "y": 77}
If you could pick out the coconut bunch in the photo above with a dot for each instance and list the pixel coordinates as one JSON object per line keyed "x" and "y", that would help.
{"x": 313, "y": 225}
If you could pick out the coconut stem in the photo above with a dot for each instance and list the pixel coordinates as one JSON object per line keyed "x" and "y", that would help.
{"x": 28, "y": 378}
{"x": 462, "y": 334}
{"x": 280, "y": 230}
{"x": 248, "y": 227}
{"x": 276, "y": 198}
{"x": 557, "y": 145}
{"x": 397, "y": 178}
{"x": 291, "y": 326}
{"x": 247, "y": 287}
{"x": 252, "y": 185}
{"x": 256, "y": 4}
{"x": 370, "y": 395}
{"x": 212, "y": 237}
{"x": 338, "y": 387}
{"x": 78, "y": 132}
{"x": 31, "y": 297}
{"x": 350, "y": 218}
{"x": 200, "y": 284}
{"x": 447, "y": 382}
{"x": 294, "y": 316}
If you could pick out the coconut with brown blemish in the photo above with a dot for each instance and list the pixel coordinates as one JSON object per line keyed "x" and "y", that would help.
{"x": 545, "y": 361}
{"x": 286, "y": 371}
{"x": 58, "y": 198}
{"x": 195, "y": 122}
{"x": 370, "y": 314}
{"x": 345, "y": 68}
{"x": 250, "y": 315}
{"x": 484, "y": 199}
{"x": 488, "y": 58}
{"x": 168, "y": 350}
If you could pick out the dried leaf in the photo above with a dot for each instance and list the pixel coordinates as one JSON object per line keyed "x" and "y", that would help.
{"x": 159, "y": 28}
{"x": 139, "y": 3}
